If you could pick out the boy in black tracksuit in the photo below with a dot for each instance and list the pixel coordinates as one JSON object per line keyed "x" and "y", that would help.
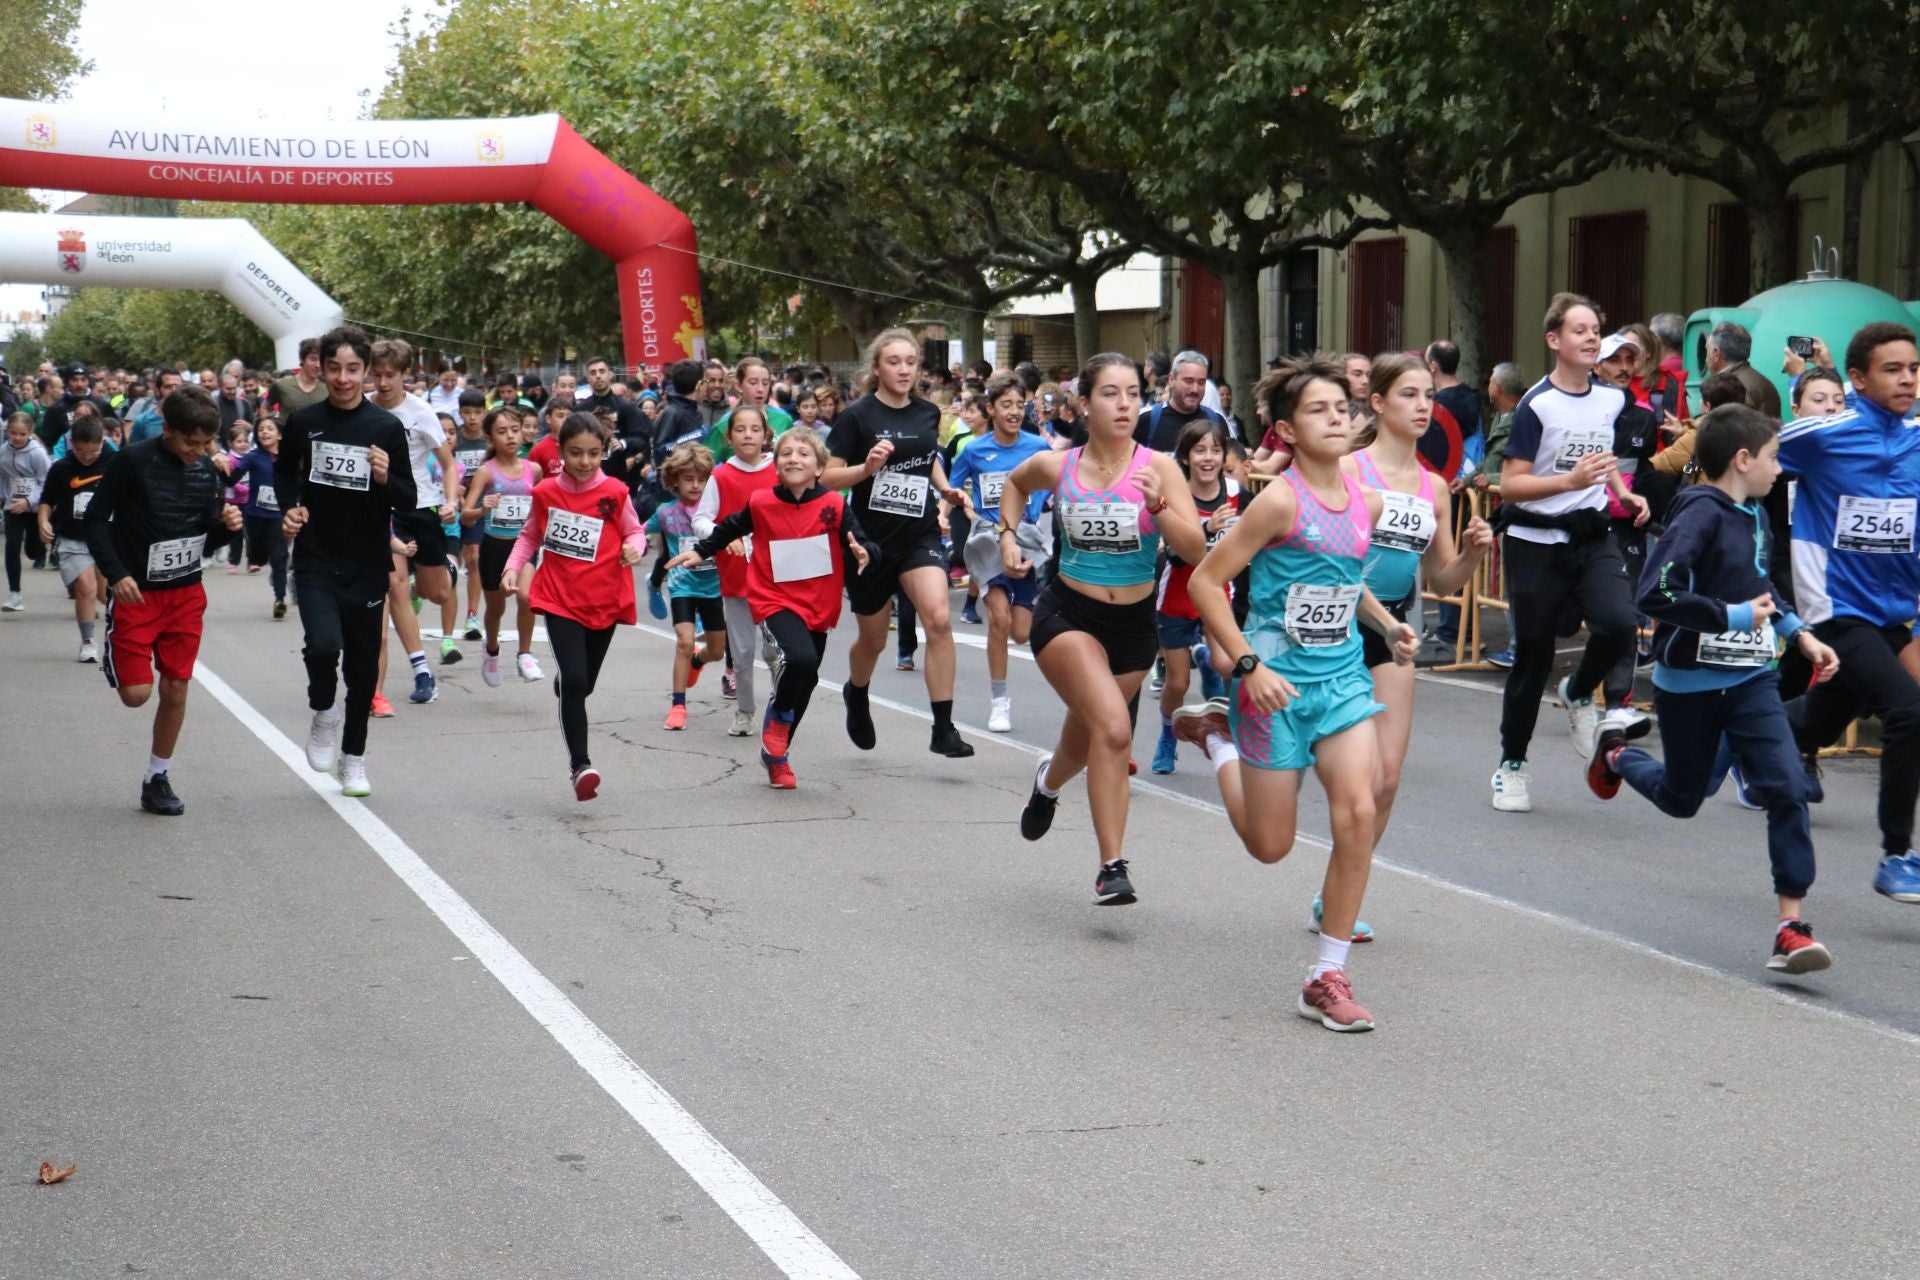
{"x": 1706, "y": 586}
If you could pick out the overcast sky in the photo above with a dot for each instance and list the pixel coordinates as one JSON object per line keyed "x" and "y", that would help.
{"x": 263, "y": 60}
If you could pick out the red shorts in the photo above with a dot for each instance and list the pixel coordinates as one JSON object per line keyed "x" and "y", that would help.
{"x": 163, "y": 629}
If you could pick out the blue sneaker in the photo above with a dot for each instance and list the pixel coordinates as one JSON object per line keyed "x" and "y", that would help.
{"x": 425, "y": 688}
{"x": 970, "y": 614}
{"x": 1740, "y": 796}
{"x": 1810, "y": 766}
{"x": 1211, "y": 685}
{"x": 1362, "y": 931}
{"x": 1502, "y": 659}
{"x": 656, "y": 603}
{"x": 1164, "y": 753}
{"x": 1899, "y": 878}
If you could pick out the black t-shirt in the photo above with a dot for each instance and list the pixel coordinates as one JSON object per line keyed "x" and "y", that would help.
{"x": 1160, "y": 426}
{"x": 897, "y": 506}
{"x": 349, "y": 517}
{"x": 59, "y": 416}
{"x": 633, "y": 429}
{"x": 71, "y": 484}
{"x": 469, "y": 452}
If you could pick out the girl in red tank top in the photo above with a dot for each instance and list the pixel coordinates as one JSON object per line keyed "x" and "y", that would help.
{"x": 802, "y": 536}
{"x": 584, "y": 527}
{"x": 749, "y": 471}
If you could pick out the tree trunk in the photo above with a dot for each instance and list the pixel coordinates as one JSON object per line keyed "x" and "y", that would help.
{"x": 1773, "y": 254}
{"x": 1241, "y": 286}
{"x": 970, "y": 328}
{"x": 1086, "y": 315}
{"x": 1853, "y": 195}
{"x": 1465, "y": 249}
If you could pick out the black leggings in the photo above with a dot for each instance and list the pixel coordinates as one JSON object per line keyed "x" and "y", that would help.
{"x": 1870, "y": 680}
{"x": 800, "y": 652}
{"x": 578, "y": 652}
{"x": 267, "y": 545}
{"x": 23, "y": 528}
{"x": 341, "y": 618}
{"x": 1550, "y": 588}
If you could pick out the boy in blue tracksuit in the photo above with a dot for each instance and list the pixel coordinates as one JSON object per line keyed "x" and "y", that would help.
{"x": 1856, "y": 576}
{"x": 1706, "y": 587}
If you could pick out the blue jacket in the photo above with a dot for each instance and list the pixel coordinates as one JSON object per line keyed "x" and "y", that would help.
{"x": 1701, "y": 577}
{"x": 1854, "y": 520}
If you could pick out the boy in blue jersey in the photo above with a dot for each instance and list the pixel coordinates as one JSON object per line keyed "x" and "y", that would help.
{"x": 979, "y": 470}
{"x": 1856, "y": 577}
{"x": 1707, "y": 587}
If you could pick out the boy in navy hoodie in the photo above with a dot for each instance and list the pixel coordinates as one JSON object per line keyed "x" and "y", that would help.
{"x": 1707, "y": 589}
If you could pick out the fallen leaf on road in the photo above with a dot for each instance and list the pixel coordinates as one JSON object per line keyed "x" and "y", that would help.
{"x": 50, "y": 1175}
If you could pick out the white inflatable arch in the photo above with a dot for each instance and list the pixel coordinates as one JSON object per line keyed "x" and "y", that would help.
{"x": 223, "y": 255}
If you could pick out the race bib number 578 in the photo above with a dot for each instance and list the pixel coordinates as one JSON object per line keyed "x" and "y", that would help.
{"x": 340, "y": 466}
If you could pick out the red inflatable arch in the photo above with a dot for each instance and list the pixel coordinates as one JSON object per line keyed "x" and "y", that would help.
{"x": 537, "y": 160}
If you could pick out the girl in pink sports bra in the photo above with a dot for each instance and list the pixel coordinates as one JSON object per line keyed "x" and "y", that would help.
{"x": 1413, "y": 535}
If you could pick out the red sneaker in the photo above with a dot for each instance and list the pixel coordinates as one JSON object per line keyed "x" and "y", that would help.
{"x": 1133, "y": 766}
{"x": 1328, "y": 1000}
{"x": 586, "y": 783}
{"x": 693, "y": 674}
{"x": 780, "y": 776}
{"x": 676, "y": 716}
{"x": 1602, "y": 778}
{"x": 1795, "y": 951}
{"x": 774, "y": 737}
{"x": 382, "y": 709}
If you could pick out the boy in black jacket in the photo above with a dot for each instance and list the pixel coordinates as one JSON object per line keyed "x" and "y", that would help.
{"x": 1707, "y": 589}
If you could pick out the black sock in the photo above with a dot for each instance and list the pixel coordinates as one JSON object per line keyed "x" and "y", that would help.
{"x": 860, "y": 728}
{"x": 698, "y": 662}
{"x": 943, "y": 715}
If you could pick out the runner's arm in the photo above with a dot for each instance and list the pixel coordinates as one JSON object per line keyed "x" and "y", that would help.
{"x": 106, "y": 499}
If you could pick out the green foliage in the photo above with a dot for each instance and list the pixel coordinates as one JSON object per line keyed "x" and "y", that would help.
{"x": 25, "y": 353}
{"x": 38, "y": 39}
{"x": 134, "y": 328}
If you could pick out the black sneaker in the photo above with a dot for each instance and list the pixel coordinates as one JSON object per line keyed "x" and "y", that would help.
{"x": 1810, "y": 765}
{"x": 859, "y": 717}
{"x": 1037, "y": 818}
{"x": 948, "y": 742}
{"x": 1111, "y": 888}
{"x": 279, "y": 608}
{"x": 156, "y": 796}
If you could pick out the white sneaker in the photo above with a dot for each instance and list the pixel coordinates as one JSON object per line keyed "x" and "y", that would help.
{"x": 530, "y": 668}
{"x": 742, "y": 726}
{"x": 1510, "y": 788}
{"x": 1000, "y": 720}
{"x": 490, "y": 670}
{"x": 15, "y": 603}
{"x": 88, "y": 653}
{"x": 353, "y": 776}
{"x": 1581, "y": 719}
{"x": 322, "y": 741}
{"x": 1631, "y": 721}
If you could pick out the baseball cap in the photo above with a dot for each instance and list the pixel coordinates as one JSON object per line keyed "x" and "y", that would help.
{"x": 1614, "y": 341}
{"x": 74, "y": 371}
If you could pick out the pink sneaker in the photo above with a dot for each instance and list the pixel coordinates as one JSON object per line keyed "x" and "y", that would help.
{"x": 1194, "y": 725}
{"x": 586, "y": 783}
{"x": 1328, "y": 999}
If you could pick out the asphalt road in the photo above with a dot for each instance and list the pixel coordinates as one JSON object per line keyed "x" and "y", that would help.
{"x": 700, "y": 1029}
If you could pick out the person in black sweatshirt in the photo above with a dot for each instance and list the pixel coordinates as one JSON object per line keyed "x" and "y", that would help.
{"x": 345, "y": 486}
{"x": 64, "y": 500}
{"x": 1707, "y": 588}
{"x": 154, "y": 514}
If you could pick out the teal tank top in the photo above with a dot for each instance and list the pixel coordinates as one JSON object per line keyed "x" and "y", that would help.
{"x": 1107, "y": 538}
{"x": 1406, "y": 529}
{"x": 1305, "y": 588}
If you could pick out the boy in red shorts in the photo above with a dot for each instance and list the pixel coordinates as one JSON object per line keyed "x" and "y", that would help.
{"x": 156, "y": 513}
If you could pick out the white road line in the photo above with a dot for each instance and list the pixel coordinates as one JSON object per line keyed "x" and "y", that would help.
{"x": 768, "y": 1222}
{"x": 1580, "y": 927}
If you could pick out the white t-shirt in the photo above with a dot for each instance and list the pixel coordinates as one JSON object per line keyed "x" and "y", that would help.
{"x": 1555, "y": 429}
{"x": 448, "y": 398}
{"x": 424, "y": 435}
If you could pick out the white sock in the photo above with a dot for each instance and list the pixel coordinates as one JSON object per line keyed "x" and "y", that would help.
{"x": 1333, "y": 955}
{"x": 419, "y": 660}
{"x": 156, "y": 765}
{"x": 1221, "y": 752}
{"x": 1040, "y": 781}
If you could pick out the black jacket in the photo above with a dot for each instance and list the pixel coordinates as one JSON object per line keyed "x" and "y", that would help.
{"x": 149, "y": 497}
{"x": 1712, "y": 556}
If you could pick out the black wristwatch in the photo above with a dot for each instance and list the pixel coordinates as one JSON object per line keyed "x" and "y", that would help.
{"x": 1245, "y": 667}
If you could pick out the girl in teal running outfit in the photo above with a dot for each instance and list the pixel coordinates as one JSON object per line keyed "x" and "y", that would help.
{"x": 1302, "y": 695}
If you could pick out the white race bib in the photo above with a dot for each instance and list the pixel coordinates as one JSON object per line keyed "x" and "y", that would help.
{"x": 1320, "y": 617}
{"x": 1753, "y": 648}
{"x": 512, "y": 510}
{"x": 1406, "y": 522}
{"x": 1580, "y": 444}
{"x": 573, "y": 535}
{"x": 174, "y": 558}
{"x": 340, "y": 466}
{"x": 1877, "y": 526}
{"x": 898, "y": 494}
{"x": 797, "y": 559}
{"x": 82, "y": 500}
{"x": 992, "y": 485}
{"x": 1102, "y": 528}
{"x": 687, "y": 542}
{"x": 266, "y": 499}
{"x": 22, "y": 487}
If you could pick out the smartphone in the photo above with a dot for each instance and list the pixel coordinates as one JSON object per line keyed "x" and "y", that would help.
{"x": 1802, "y": 347}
